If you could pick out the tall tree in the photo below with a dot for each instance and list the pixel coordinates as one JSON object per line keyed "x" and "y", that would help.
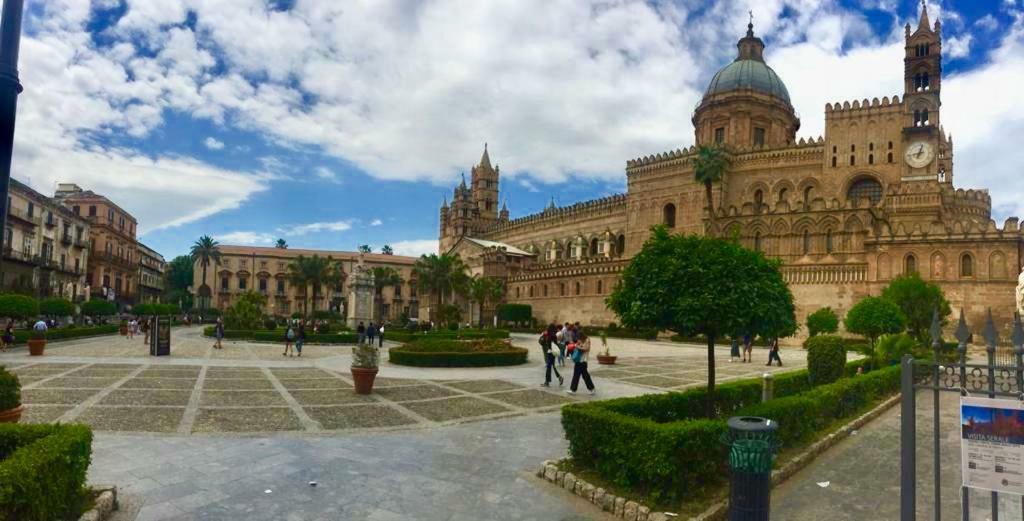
{"x": 281, "y": 243}
{"x": 386, "y": 250}
{"x": 918, "y": 300}
{"x": 312, "y": 272}
{"x": 383, "y": 276}
{"x": 695, "y": 285}
{"x": 365, "y": 248}
{"x": 179, "y": 276}
{"x": 483, "y": 290}
{"x": 205, "y": 251}
{"x": 441, "y": 275}
{"x": 709, "y": 167}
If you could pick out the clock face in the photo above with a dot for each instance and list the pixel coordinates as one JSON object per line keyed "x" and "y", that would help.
{"x": 919, "y": 154}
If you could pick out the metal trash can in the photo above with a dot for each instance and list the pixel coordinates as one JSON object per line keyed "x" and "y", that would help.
{"x": 752, "y": 444}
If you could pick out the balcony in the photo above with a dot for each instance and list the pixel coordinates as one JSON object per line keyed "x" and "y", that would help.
{"x": 280, "y": 294}
{"x": 81, "y": 242}
{"x": 66, "y": 239}
{"x": 50, "y": 222}
{"x": 223, "y": 291}
{"x": 117, "y": 261}
{"x": 24, "y": 217}
{"x": 20, "y": 256}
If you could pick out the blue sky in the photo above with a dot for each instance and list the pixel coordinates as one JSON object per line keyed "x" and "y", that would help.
{"x": 334, "y": 124}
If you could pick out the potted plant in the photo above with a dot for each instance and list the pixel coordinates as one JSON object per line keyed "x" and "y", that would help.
{"x": 605, "y": 357}
{"x": 365, "y": 361}
{"x": 10, "y": 397}
{"x": 37, "y": 343}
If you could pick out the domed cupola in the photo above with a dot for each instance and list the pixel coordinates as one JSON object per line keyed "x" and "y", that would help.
{"x": 746, "y": 104}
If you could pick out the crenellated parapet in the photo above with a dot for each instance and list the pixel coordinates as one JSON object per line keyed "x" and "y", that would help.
{"x": 589, "y": 208}
{"x": 570, "y": 268}
{"x": 862, "y": 107}
{"x": 956, "y": 230}
{"x": 802, "y": 148}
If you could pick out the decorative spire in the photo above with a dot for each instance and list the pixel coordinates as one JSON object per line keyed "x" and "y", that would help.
{"x": 485, "y": 160}
{"x": 444, "y": 205}
{"x": 750, "y": 26}
{"x": 750, "y": 47}
{"x": 463, "y": 185}
{"x": 923, "y": 24}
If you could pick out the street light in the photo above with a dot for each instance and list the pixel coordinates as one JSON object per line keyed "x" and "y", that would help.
{"x": 10, "y": 87}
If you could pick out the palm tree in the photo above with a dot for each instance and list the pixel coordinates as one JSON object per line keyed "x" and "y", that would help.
{"x": 205, "y": 251}
{"x": 313, "y": 271}
{"x": 483, "y": 290}
{"x": 440, "y": 275}
{"x": 281, "y": 243}
{"x": 382, "y": 278}
{"x": 365, "y": 248}
{"x": 386, "y": 250}
{"x": 709, "y": 167}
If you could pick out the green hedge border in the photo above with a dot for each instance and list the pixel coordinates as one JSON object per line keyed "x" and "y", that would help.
{"x": 462, "y": 334}
{"x": 65, "y": 333}
{"x": 660, "y": 446}
{"x": 43, "y": 470}
{"x": 278, "y": 336}
{"x": 513, "y": 356}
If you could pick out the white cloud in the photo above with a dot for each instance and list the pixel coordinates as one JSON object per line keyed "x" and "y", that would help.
{"x": 987, "y": 23}
{"x": 303, "y": 229}
{"x": 376, "y": 222}
{"x": 245, "y": 238}
{"x": 326, "y": 174}
{"x": 213, "y": 144}
{"x": 415, "y": 248}
{"x": 958, "y": 46}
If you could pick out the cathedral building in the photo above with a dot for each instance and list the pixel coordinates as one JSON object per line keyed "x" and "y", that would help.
{"x": 846, "y": 213}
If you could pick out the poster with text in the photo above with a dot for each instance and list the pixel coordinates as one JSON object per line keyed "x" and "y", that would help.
{"x": 992, "y": 444}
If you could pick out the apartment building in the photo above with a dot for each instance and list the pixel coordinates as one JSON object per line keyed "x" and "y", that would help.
{"x": 151, "y": 274}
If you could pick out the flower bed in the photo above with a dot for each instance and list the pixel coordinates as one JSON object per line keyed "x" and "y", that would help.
{"x": 661, "y": 447}
{"x": 454, "y": 353}
{"x": 277, "y": 335}
{"x": 43, "y": 470}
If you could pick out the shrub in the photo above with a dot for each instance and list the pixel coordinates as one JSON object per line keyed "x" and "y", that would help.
{"x": 43, "y": 470}
{"x": 873, "y": 317}
{"x": 18, "y": 307}
{"x": 10, "y": 390}
{"x": 891, "y": 348}
{"x": 57, "y": 307}
{"x": 296, "y": 315}
{"x": 323, "y": 314}
{"x": 455, "y": 353}
{"x": 640, "y": 334}
{"x": 656, "y": 445}
{"x": 822, "y": 321}
{"x": 269, "y": 324}
{"x": 365, "y": 356}
{"x": 826, "y": 357}
{"x": 323, "y": 328}
{"x": 247, "y": 313}
{"x": 918, "y": 300}
{"x": 516, "y": 313}
{"x": 99, "y": 308}
{"x": 278, "y": 336}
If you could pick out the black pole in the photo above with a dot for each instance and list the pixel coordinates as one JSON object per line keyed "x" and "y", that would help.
{"x": 10, "y": 87}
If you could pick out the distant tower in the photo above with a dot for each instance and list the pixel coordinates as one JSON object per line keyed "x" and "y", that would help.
{"x": 444, "y": 217}
{"x": 922, "y": 72}
{"x": 485, "y": 188}
{"x": 503, "y": 216}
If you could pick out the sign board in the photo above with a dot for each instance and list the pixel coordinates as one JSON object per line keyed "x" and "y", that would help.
{"x": 992, "y": 444}
{"x": 160, "y": 336}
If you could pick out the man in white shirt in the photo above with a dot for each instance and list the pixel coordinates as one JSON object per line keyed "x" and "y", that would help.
{"x": 40, "y": 326}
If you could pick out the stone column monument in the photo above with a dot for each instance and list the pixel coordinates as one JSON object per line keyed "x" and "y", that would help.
{"x": 360, "y": 296}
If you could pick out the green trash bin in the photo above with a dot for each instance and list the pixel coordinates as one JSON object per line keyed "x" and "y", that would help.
{"x": 752, "y": 444}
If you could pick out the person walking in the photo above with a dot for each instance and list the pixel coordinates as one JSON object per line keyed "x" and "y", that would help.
{"x": 360, "y": 333}
{"x": 371, "y": 332}
{"x": 289, "y": 337}
{"x": 580, "y": 356}
{"x": 218, "y": 331}
{"x": 300, "y": 337}
{"x": 748, "y": 348}
{"x": 564, "y": 335}
{"x": 548, "y": 347}
{"x": 380, "y": 336}
{"x": 145, "y": 331}
{"x": 132, "y": 324}
{"x": 8, "y": 338}
{"x": 773, "y": 352}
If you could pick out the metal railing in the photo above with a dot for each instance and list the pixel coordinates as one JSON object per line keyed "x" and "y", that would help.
{"x": 22, "y": 215}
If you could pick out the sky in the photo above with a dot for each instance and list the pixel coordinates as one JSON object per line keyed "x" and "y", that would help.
{"x": 338, "y": 123}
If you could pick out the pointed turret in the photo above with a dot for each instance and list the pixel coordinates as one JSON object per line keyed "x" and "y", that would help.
{"x": 923, "y": 24}
{"x": 485, "y": 160}
{"x": 503, "y": 215}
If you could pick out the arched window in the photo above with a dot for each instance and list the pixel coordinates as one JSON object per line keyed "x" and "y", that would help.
{"x": 783, "y": 194}
{"x": 910, "y": 264}
{"x": 531, "y": 291}
{"x": 865, "y": 187}
{"x": 620, "y": 247}
{"x": 807, "y": 194}
{"x": 593, "y": 246}
{"x": 871, "y": 159}
{"x": 757, "y": 241}
{"x": 833, "y": 161}
{"x": 807, "y": 242}
{"x": 600, "y": 286}
{"x": 517, "y": 292}
{"x": 668, "y": 215}
{"x": 561, "y": 289}
{"x": 966, "y": 265}
{"x": 889, "y": 157}
{"x": 545, "y": 290}
{"x": 890, "y": 145}
{"x": 828, "y": 241}
{"x": 577, "y": 288}
{"x": 758, "y": 199}
{"x": 853, "y": 160}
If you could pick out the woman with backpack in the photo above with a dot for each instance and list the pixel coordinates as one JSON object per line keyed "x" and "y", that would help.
{"x": 547, "y": 347}
{"x": 289, "y": 337}
{"x": 580, "y": 353}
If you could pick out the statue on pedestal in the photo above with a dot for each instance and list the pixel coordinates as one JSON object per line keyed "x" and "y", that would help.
{"x": 360, "y": 297}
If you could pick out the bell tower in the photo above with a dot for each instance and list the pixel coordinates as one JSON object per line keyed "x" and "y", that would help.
{"x": 484, "y": 180}
{"x": 922, "y": 78}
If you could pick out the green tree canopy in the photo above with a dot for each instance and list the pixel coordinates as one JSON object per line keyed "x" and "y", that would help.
{"x": 383, "y": 276}
{"x": 282, "y": 244}
{"x": 822, "y": 321}
{"x": 314, "y": 272}
{"x": 99, "y": 308}
{"x": 918, "y": 300}
{"x": 441, "y": 275}
{"x": 483, "y": 290}
{"x": 365, "y": 248}
{"x": 517, "y": 313}
{"x": 18, "y": 307}
{"x": 205, "y": 252}
{"x": 696, "y": 285}
{"x": 57, "y": 307}
{"x": 873, "y": 317}
{"x": 247, "y": 313}
{"x": 387, "y": 250}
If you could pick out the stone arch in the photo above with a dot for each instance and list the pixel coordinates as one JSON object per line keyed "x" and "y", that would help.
{"x": 757, "y": 234}
{"x": 782, "y": 191}
{"x": 809, "y": 189}
{"x": 594, "y": 246}
{"x": 620, "y": 245}
{"x": 853, "y": 231}
{"x": 863, "y": 184}
{"x": 884, "y": 267}
{"x": 668, "y": 215}
{"x": 780, "y": 232}
{"x": 910, "y": 263}
{"x": 938, "y": 266}
{"x": 997, "y": 265}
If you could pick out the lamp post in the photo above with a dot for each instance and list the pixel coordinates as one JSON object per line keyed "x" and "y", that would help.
{"x": 10, "y": 87}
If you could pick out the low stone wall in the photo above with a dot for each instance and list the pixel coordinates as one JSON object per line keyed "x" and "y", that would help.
{"x": 103, "y": 506}
{"x": 615, "y": 505}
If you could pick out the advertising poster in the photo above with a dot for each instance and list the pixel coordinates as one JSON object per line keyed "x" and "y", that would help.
{"x": 163, "y": 336}
{"x": 992, "y": 444}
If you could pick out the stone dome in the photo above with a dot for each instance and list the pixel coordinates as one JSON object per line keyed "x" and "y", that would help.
{"x": 748, "y": 74}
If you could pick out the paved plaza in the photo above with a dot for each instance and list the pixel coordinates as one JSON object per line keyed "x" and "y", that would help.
{"x": 206, "y": 433}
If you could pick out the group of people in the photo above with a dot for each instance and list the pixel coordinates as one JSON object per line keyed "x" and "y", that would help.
{"x": 557, "y": 343}
{"x": 370, "y": 333}
{"x": 294, "y": 337}
{"x": 747, "y": 356}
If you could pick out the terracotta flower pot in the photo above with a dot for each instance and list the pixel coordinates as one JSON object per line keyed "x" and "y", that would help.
{"x": 606, "y": 359}
{"x": 363, "y": 379}
{"x": 36, "y": 346}
{"x": 11, "y": 415}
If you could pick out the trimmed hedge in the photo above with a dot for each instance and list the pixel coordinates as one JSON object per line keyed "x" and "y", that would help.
{"x": 278, "y": 335}
{"x": 826, "y": 356}
{"x": 618, "y": 332}
{"x": 462, "y": 334}
{"x": 453, "y": 353}
{"x": 43, "y": 470}
{"x": 20, "y": 336}
{"x": 10, "y": 390}
{"x": 660, "y": 447}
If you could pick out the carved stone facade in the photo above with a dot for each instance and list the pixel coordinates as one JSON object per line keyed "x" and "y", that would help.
{"x": 846, "y": 213}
